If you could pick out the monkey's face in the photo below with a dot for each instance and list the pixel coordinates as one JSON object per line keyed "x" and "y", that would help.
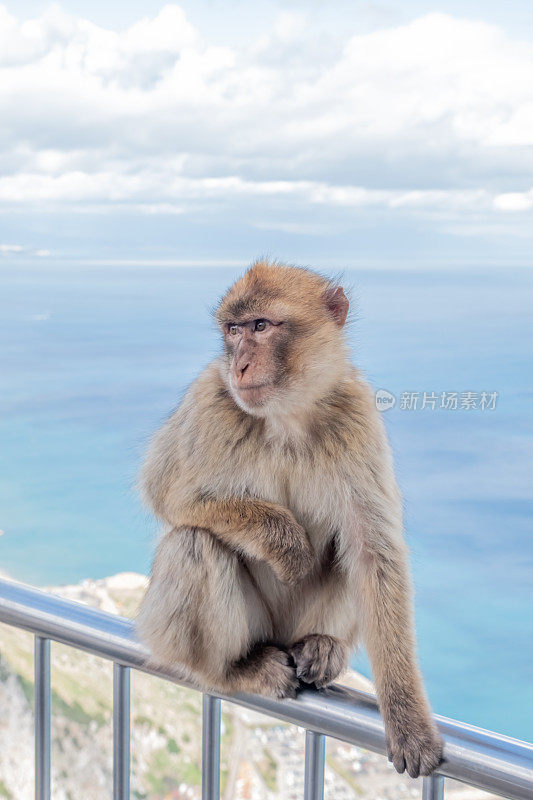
{"x": 283, "y": 342}
{"x": 256, "y": 357}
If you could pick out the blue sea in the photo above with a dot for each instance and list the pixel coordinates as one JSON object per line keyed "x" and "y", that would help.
{"x": 93, "y": 359}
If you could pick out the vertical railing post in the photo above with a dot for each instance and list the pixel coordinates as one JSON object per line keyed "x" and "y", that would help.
{"x": 210, "y": 748}
{"x": 315, "y": 753}
{"x": 433, "y": 788}
{"x": 42, "y": 718}
{"x": 121, "y": 732}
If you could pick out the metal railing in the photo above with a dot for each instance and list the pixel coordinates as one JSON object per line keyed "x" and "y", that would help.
{"x": 488, "y": 761}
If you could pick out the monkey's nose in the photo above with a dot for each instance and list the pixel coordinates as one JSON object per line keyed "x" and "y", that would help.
{"x": 242, "y": 373}
{"x": 241, "y": 379}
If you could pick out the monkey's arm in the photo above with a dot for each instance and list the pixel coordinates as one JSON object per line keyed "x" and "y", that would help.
{"x": 176, "y": 483}
{"x": 256, "y": 529}
{"x": 385, "y": 602}
{"x": 377, "y": 559}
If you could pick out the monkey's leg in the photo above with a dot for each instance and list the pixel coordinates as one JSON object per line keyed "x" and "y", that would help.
{"x": 384, "y": 590}
{"x": 202, "y": 612}
{"x": 319, "y": 658}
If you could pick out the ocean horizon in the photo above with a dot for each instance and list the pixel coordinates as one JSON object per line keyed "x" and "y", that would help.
{"x": 95, "y": 357}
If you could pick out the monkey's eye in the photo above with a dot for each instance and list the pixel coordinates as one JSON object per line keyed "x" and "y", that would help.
{"x": 260, "y": 324}
{"x": 233, "y": 329}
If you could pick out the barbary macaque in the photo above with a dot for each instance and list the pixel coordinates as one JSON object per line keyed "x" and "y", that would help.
{"x": 284, "y": 541}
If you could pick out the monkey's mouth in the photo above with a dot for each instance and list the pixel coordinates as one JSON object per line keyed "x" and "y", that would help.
{"x": 253, "y": 395}
{"x": 252, "y": 388}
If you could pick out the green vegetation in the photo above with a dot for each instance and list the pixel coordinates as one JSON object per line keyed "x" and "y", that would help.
{"x": 194, "y": 708}
{"x": 268, "y": 768}
{"x": 344, "y": 774}
{"x": 228, "y": 727}
{"x": 161, "y": 768}
{"x": 75, "y": 712}
{"x": 28, "y": 689}
{"x": 168, "y": 768}
{"x": 191, "y": 774}
{"x": 4, "y": 791}
{"x": 140, "y": 719}
{"x": 223, "y": 781}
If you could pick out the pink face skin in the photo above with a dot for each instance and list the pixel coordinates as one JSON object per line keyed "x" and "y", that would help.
{"x": 264, "y": 356}
{"x": 255, "y": 349}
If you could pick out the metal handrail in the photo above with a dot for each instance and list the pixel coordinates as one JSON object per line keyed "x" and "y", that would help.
{"x": 480, "y": 758}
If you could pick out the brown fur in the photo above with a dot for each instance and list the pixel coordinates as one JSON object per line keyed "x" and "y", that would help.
{"x": 285, "y": 542}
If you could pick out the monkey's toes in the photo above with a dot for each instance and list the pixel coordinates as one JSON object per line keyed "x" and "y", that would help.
{"x": 278, "y": 673}
{"x": 319, "y": 659}
{"x": 418, "y": 751}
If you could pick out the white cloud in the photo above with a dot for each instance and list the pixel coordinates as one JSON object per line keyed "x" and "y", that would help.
{"x": 11, "y": 248}
{"x": 139, "y": 188}
{"x": 19, "y": 249}
{"x": 514, "y": 201}
{"x": 433, "y": 116}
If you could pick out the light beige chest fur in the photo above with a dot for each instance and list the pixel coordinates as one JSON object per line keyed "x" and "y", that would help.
{"x": 319, "y": 499}
{"x": 321, "y": 503}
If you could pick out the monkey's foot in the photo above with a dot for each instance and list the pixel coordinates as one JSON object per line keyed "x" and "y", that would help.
{"x": 415, "y": 747}
{"x": 268, "y": 671}
{"x": 319, "y": 658}
{"x": 277, "y": 675}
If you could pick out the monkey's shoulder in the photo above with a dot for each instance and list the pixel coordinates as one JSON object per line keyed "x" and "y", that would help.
{"x": 347, "y": 421}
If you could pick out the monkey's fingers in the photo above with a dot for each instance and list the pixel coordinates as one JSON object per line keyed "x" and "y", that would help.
{"x": 412, "y": 763}
{"x": 291, "y": 571}
{"x": 419, "y": 751}
{"x": 294, "y": 561}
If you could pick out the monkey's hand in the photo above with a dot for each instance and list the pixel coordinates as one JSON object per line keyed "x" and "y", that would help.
{"x": 290, "y": 553}
{"x": 256, "y": 529}
{"x": 413, "y": 743}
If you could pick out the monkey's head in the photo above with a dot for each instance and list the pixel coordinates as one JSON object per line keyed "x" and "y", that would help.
{"x": 284, "y": 345}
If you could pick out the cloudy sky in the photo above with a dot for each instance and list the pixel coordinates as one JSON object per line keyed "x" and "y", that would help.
{"x": 339, "y": 133}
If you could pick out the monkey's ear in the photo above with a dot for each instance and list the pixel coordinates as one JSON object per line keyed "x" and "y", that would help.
{"x": 337, "y": 304}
